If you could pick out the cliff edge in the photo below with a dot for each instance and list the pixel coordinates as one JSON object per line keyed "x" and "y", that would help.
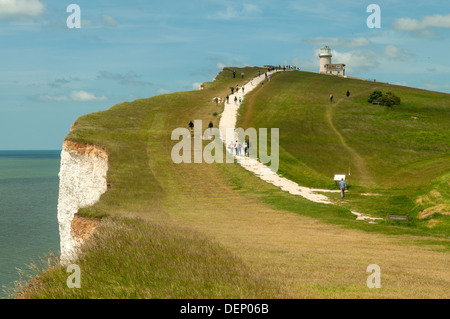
{"x": 82, "y": 180}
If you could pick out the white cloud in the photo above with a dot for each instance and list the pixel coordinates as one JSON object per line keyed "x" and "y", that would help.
{"x": 394, "y": 53}
{"x": 163, "y": 91}
{"x": 84, "y": 96}
{"x": 129, "y": 78}
{"x": 422, "y": 27}
{"x": 48, "y": 98}
{"x": 221, "y": 65}
{"x": 356, "y": 59}
{"x": 339, "y": 42}
{"x": 196, "y": 85}
{"x": 87, "y": 23}
{"x": 110, "y": 21}
{"x": 231, "y": 13}
{"x": 402, "y": 83}
{"x": 17, "y": 9}
{"x": 80, "y": 96}
{"x": 431, "y": 85}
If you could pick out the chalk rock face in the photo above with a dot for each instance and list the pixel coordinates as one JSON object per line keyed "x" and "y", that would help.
{"x": 82, "y": 180}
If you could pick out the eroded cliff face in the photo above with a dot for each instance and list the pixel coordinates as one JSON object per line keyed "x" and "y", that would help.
{"x": 82, "y": 180}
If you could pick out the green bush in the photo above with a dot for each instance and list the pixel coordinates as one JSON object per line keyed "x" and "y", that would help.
{"x": 375, "y": 95}
{"x": 387, "y": 99}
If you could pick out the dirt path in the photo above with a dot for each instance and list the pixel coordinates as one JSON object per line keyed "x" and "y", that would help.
{"x": 357, "y": 160}
{"x": 227, "y": 124}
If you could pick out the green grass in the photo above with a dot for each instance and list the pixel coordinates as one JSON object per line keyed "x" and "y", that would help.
{"x": 132, "y": 258}
{"x": 239, "y": 228}
{"x": 396, "y": 152}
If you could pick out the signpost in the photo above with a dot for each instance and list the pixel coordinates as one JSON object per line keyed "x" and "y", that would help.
{"x": 338, "y": 177}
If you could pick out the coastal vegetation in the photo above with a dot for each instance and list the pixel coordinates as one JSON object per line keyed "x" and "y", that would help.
{"x": 217, "y": 231}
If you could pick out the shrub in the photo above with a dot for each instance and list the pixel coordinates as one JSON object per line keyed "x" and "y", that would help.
{"x": 387, "y": 99}
{"x": 375, "y": 95}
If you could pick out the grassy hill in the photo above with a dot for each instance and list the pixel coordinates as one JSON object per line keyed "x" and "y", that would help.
{"x": 401, "y": 153}
{"x": 217, "y": 231}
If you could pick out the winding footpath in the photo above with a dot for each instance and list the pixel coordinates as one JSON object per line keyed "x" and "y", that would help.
{"x": 228, "y": 122}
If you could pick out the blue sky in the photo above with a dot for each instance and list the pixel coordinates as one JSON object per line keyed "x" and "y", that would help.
{"x": 130, "y": 49}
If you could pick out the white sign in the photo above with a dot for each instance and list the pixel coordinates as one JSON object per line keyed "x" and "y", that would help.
{"x": 338, "y": 177}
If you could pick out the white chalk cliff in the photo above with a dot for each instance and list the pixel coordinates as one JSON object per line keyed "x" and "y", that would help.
{"x": 82, "y": 180}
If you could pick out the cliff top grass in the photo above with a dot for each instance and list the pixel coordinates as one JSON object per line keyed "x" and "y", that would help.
{"x": 399, "y": 155}
{"x": 275, "y": 244}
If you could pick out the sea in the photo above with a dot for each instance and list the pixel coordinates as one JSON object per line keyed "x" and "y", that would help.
{"x": 28, "y": 211}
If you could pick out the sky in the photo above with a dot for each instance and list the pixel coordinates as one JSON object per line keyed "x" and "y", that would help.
{"x": 129, "y": 49}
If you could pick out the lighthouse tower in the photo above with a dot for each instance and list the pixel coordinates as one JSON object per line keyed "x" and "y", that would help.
{"x": 325, "y": 58}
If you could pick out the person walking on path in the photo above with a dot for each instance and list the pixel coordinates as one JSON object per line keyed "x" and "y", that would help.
{"x": 331, "y": 97}
{"x": 235, "y": 99}
{"x": 236, "y": 147}
{"x": 240, "y": 100}
{"x": 348, "y": 94}
{"x": 243, "y": 87}
{"x": 239, "y": 147}
{"x": 228, "y": 99}
{"x": 245, "y": 148}
{"x": 210, "y": 126}
{"x": 248, "y": 147}
{"x": 232, "y": 89}
{"x": 342, "y": 186}
{"x": 231, "y": 147}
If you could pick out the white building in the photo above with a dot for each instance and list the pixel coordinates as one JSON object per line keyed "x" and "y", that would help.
{"x": 326, "y": 67}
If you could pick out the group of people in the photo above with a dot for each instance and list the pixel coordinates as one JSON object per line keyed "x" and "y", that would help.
{"x": 234, "y": 74}
{"x": 235, "y": 148}
{"x": 232, "y": 88}
{"x": 210, "y": 125}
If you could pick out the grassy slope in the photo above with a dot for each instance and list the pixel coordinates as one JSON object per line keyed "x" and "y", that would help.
{"x": 271, "y": 251}
{"x": 397, "y": 152}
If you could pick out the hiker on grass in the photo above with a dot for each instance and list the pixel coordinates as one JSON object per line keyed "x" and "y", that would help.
{"x": 232, "y": 89}
{"x": 240, "y": 100}
{"x": 342, "y": 186}
{"x": 331, "y": 97}
{"x": 191, "y": 125}
{"x": 234, "y": 74}
{"x": 348, "y": 94}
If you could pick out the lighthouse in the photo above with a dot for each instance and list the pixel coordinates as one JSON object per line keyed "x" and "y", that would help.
{"x": 325, "y": 58}
{"x": 326, "y": 67}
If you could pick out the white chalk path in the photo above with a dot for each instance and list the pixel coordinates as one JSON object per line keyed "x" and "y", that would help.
{"x": 228, "y": 121}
